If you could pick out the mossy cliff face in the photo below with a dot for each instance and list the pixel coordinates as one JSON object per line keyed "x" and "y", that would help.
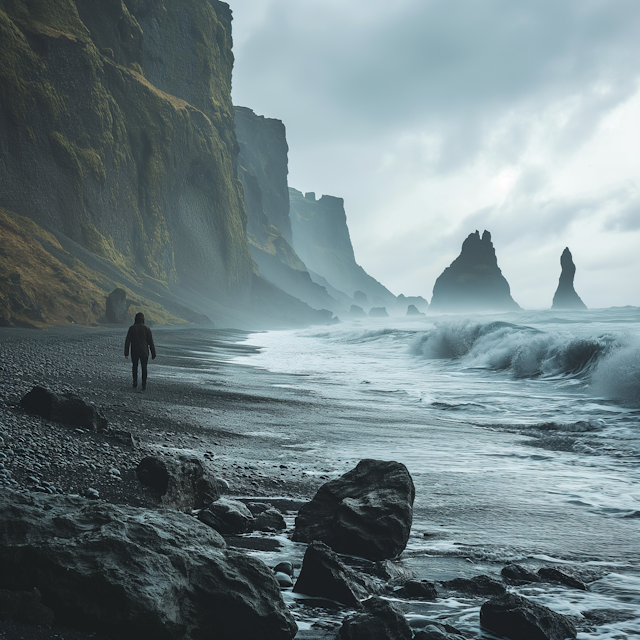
{"x": 116, "y": 129}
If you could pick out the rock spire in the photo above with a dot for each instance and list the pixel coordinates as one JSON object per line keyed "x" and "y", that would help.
{"x": 566, "y": 296}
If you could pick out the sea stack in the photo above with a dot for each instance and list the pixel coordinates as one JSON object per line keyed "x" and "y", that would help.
{"x": 474, "y": 281}
{"x": 566, "y": 296}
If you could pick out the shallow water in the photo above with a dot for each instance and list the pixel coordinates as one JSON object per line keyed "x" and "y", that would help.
{"x": 521, "y": 432}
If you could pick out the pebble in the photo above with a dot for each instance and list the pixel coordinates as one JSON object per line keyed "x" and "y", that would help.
{"x": 284, "y": 580}
{"x": 284, "y": 567}
{"x": 92, "y": 493}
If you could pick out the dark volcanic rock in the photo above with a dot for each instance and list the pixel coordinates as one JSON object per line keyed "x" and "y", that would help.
{"x": 473, "y": 282}
{"x": 378, "y": 312}
{"x": 269, "y": 520}
{"x": 25, "y": 606}
{"x": 437, "y": 631}
{"x": 367, "y": 512}
{"x": 227, "y": 516}
{"x": 357, "y": 312}
{"x": 420, "y": 589}
{"x": 517, "y": 574}
{"x": 181, "y": 483}
{"x": 379, "y": 620}
{"x": 566, "y": 296}
{"x": 135, "y": 573}
{"x": 482, "y": 585}
{"x": 512, "y": 616}
{"x": 66, "y": 409}
{"x": 117, "y": 306}
{"x": 561, "y": 575}
{"x": 324, "y": 575}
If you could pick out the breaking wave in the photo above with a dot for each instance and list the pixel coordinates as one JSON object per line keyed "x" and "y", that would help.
{"x": 610, "y": 363}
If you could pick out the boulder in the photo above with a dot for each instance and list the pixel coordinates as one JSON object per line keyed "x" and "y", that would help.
{"x": 418, "y": 589}
{"x": 181, "y": 483}
{"x": 512, "y": 616}
{"x": 437, "y": 631}
{"x": 367, "y": 512}
{"x": 566, "y": 296}
{"x": 517, "y": 574}
{"x": 135, "y": 573}
{"x": 227, "y": 516}
{"x": 561, "y": 575}
{"x": 117, "y": 307}
{"x": 378, "y": 312}
{"x": 412, "y": 310}
{"x": 324, "y": 575}
{"x": 269, "y": 520}
{"x": 67, "y": 409}
{"x": 357, "y": 312}
{"x": 481, "y": 585}
{"x": 25, "y": 606}
{"x": 473, "y": 281}
{"x": 378, "y": 620}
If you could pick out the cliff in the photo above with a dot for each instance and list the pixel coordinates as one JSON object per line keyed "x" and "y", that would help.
{"x": 473, "y": 282}
{"x": 117, "y": 132}
{"x": 263, "y": 169}
{"x": 321, "y": 239}
{"x": 566, "y": 296}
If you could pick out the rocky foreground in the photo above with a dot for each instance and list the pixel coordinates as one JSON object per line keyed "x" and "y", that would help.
{"x": 125, "y": 519}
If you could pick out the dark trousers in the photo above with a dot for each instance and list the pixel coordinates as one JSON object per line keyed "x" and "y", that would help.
{"x": 143, "y": 361}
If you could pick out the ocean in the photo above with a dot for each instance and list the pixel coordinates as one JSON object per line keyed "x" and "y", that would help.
{"x": 521, "y": 432}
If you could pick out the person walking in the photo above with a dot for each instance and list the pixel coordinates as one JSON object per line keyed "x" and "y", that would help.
{"x": 140, "y": 339}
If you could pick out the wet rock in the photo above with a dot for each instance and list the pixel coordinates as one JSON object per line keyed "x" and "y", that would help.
{"x": 181, "y": 483}
{"x": 437, "y": 631}
{"x": 378, "y": 312}
{"x": 517, "y": 574}
{"x": 117, "y": 306}
{"x": 418, "y": 589}
{"x": 92, "y": 493}
{"x": 227, "y": 516}
{"x": 25, "y": 606}
{"x": 284, "y": 567}
{"x": 357, "y": 312}
{"x": 257, "y": 508}
{"x": 561, "y": 575}
{"x": 283, "y": 579}
{"x": 378, "y": 620}
{"x": 478, "y": 585}
{"x": 512, "y": 616}
{"x": 269, "y": 520}
{"x": 324, "y": 575}
{"x": 367, "y": 512}
{"x": 136, "y": 573}
{"x": 67, "y": 409}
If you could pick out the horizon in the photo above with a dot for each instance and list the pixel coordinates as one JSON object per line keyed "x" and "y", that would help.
{"x": 515, "y": 119}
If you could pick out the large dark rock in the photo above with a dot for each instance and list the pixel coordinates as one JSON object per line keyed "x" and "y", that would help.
{"x": 63, "y": 408}
{"x": 367, "y": 512}
{"x": 566, "y": 296}
{"x": 473, "y": 282}
{"x": 379, "y": 620}
{"x": 181, "y": 483}
{"x": 517, "y": 574}
{"x": 269, "y": 520}
{"x": 562, "y": 575}
{"x": 512, "y": 616}
{"x": 227, "y": 516}
{"x": 437, "y": 631}
{"x": 117, "y": 306}
{"x": 324, "y": 575}
{"x": 412, "y": 310}
{"x": 419, "y": 589}
{"x": 135, "y": 573}
{"x": 481, "y": 585}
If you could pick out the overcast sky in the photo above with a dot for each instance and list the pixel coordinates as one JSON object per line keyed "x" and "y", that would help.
{"x": 434, "y": 118}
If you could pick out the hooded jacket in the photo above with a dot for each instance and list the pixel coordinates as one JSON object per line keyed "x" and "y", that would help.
{"x": 140, "y": 339}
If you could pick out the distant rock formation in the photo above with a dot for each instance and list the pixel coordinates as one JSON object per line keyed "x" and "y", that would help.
{"x": 473, "y": 282}
{"x": 378, "y": 312}
{"x": 117, "y": 306}
{"x": 321, "y": 239}
{"x": 412, "y": 310}
{"x": 418, "y": 302}
{"x": 566, "y": 296}
{"x": 357, "y": 312}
